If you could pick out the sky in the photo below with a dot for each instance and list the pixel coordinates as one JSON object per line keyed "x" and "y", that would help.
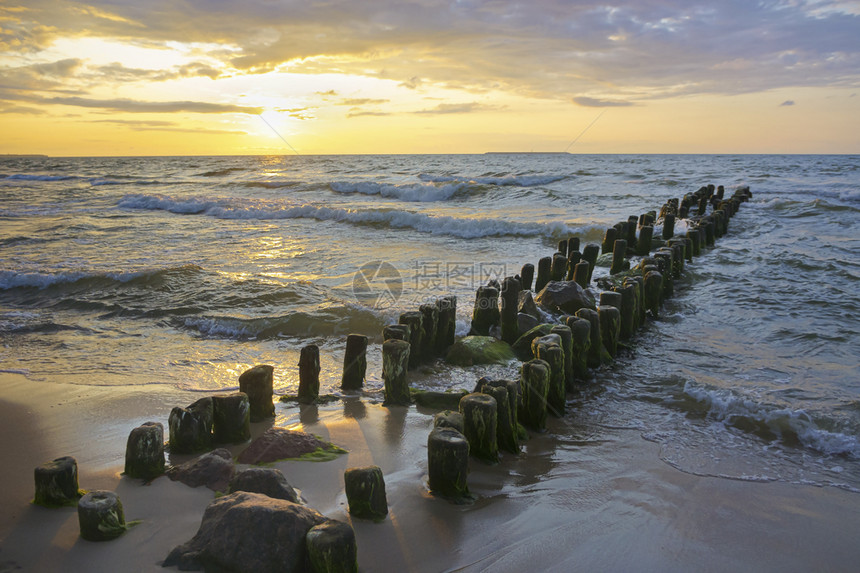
{"x": 203, "y": 77}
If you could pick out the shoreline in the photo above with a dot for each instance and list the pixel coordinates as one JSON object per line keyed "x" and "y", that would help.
{"x": 580, "y": 496}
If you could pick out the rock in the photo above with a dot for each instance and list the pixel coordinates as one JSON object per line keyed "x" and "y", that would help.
{"x": 268, "y": 481}
{"x": 331, "y": 548}
{"x": 365, "y": 492}
{"x": 280, "y": 443}
{"x": 100, "y": 516}
{"x": 526, "y": 322}
{"x": 144, "y": 451}
{"x": 564, "y": 296}
{"x": 247, "y": 531}
{"x": 523, "y": 346}
{"x": 57, "y": 482}
{"x": 214, "y": 470}
{"x": 471, "y": 350}
{"x": 526, "y": 304}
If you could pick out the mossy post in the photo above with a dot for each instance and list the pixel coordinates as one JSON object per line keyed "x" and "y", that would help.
{"x": 506, "y": 429}
{"x": 610, "y": 328}
{"x": 527, "y": 276}
{"x": 638, "y": 282}
{"x": 57, "y": 482}
{"x": 415, "y": 320}
{"x": 396, "y": 331}
{"x": 627, "y": 309}
{"x": 258, "y": 384}
{"x": 548, "y": 348}
{"x": 395, "y": 360}
{"x": 449, "y": 419}
{"x": 447, "y": 325}
{"x": 510, "y": 297}
{"x": 144, "y": 451}
{"x": 430, "y": 325}
{"x": 331, "y": 548}
{"x": 535, "y": 385}
{"x": 619, "y": 253}
{"x": 485, "y": 315}
{"x": 100, "y": 516}
{"x": 566, "y": 336}
{"x": 309, "y": 374}
{"x": 608, "y": 240}
{"x": 580, "y": 330}
{"x": 354, "y": 362}
{"x": 632, "y": 221}
{"x": 596, "y": 353}
{"x": 191, "y": 428}
{"x": 480, "y": 421}
{"x": 572, "y": 245}
{"x": 668, "y": 226}
{"x": 573, "y": 259}
{"x": 448, "y": 462}
{"x": 653, "y": 292}
{"x": 581, "y": 272}
{"x": 365, "y": 492}
{"x": 544, "y": 273}
{"x": 558, "y": 268}
{"x": 643, "y": 244}
{"x": 590, "y": 254}
{"x": 231, "y": 418}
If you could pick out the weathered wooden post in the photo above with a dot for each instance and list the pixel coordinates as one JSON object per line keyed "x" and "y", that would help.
{"x": 395, "y": 361}
{"x": 580, "y": 329}
{"x": 57, "y": 482}
{"x": 535, "y": 387}
{"x": 100, "y": 516}
{"x": 643, "y": 245}
{"x": 627, "y": 310}
{"x": 365, "y": 492}
{"x": 596, "y": 353}
{"x": 354, "y": 362}
{"x": 609, "y": 240}
{"x": 448, "y": 419}
{"x": 446, "y": 328}
{"x": 544, "y": 273}
{"x": 480, "y": 421}
{"x": 309, "y": 374}
{"x": 415, "y": 320}
{"x": 144, "y": 451}
{"x": 231, "y": 418}
{"x": 668, "y": 226}
{"x": 331, "y": 548}
{"x": 566, "y": 336}
{"x": 448, "y": 462}
{"x": 581, "y": 273}
{"x": 573, "y": 259}
{"x": 572, "y": 245}
{"x": 632, "y": 220}
{"x": 562, "y": 247}
{"x": 590, "y": 254}
{"x": 258, "y": 384}
{"x": 486, "y": 312}
{"x": 527, "y": 275}
{"x": 548, "y": 348}
{"x": 510, "y": 297}
{"x": 558, "y": 267}
{"x": 398, "y": 331}
{"x": 506, "y": 429}
{"x": 619, "y": 253}
{"x": 191, "y": 428}
{"x": 653, "y": 292}
{"x": 430, "y": 324}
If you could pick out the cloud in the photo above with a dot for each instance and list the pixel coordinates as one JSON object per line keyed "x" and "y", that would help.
{"x": 358, "y": 112}
{"x": 594, "y": 102}
{"x": 136, "y": 106}
{"x": 363, "y": 101}
{"x": 786, "y": 103}
{"x": 449, "y": 108}
{"x": 23, "y": 110}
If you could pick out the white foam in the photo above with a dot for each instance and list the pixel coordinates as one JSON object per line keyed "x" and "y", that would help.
{"x": 403, "y": 192}
{"x": 507, "y": 180}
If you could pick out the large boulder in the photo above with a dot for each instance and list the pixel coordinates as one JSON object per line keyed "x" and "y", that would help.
{"x": 565, "y": 296}
{"x": 247, "y": 531}
{"x": 213, "y": 470}
{"x": 471, "y": 350}
{"x": 280, "y": 444}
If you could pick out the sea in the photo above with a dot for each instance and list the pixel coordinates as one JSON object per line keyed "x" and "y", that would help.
{"x": 186, "y": 271}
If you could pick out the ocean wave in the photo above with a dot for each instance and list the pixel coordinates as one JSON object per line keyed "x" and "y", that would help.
{"x": 33, "y": 177}
{"x": 505, "y": 180}
{"x": 221, "y": 172}
{"x": 402, "y": 192}
{"x": 12, "y": 279}
{"x": 268, "y": 184}
{"x": 466, "y": 228}
{"x": 792, "y": 427}
{"x": 100, "y": 181}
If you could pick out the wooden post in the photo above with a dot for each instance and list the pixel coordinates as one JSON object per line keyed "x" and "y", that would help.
{"x": 231, "y": 418}
{"x": 580, "y": 329}
{"x": 535, "y": 387}
{"x": 100, "y": 516}
{"x": 548, "y": 348}
{"x": 643, "y": 245}
{"x": 144, "y": 451}
{"x": 668, "y": 226}
{"x": 527, "y": 275}
{"x": 581, "y": 273}
{"x": 609, "y": 240}
{"x": 590, "y": 254}
{"x": 395, "y": 361}
{"x": 619, "y": 252}
{"x": 191, "y": 427}
{"x": 486, "y": 312}
{"x": 596, "y": 352}
{"x": 566, "y": 336}
{"x": 430, "y": 324}
{"x": 510, "y": 308}
{"x": 331, "y": 547}
{"x": 480, "y": 421}
{"x": 309, "y": 374}
{"x": 354, "y": 362}
{"x": 415, "y": 321}
{"x": 365, "y": 492}
{"x": 544, "y": 273}
{"x": 258, "y": 384}
{"x": 57, "y": 482}
{"x": 558, "y": 267}
{"x": 447, "y": 325}
{"x": 448, "y": 463}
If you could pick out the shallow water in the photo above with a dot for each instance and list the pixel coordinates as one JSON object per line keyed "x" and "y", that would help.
{"x": 188, "y": 270}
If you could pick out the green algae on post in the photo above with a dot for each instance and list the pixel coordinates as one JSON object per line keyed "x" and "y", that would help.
{"x": 100, "y": 516}
{"x": 331, "y": 548}
{"x": 448, "y": 464}
{"x": 144, "y": 451}
{"x": 480, "y": 422}
{"x": 57, "y": 483}
{"x": 365, "y": 492}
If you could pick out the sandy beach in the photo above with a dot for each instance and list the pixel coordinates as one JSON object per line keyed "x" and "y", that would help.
{"x": 580, "y": 497}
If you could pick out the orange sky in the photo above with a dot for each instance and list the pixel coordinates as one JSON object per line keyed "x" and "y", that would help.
{"x": 662, "y": 76}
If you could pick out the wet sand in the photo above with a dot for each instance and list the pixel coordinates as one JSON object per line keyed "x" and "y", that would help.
{"x": 578, "y": 498}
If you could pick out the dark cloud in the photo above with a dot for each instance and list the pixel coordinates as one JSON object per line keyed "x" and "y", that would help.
{"x": 594, "y": 102}
{"x": 786, "y": 103}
